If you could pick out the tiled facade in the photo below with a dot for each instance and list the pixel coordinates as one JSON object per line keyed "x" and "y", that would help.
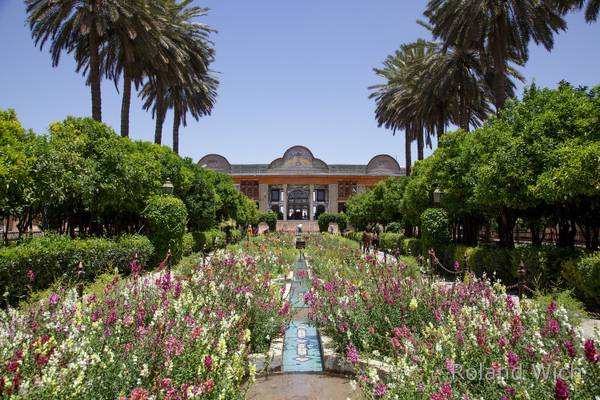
{"x": 298, "y": 186}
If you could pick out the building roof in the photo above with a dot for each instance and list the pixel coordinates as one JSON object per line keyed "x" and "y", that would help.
{"x": 299, "y": 160}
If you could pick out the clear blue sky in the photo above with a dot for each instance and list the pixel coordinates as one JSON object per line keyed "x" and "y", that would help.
{"x": 292, "y": 72}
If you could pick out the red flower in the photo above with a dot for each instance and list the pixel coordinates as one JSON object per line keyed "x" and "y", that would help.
{"x": 561, "y": 390}
{"x": 590, "y": 351}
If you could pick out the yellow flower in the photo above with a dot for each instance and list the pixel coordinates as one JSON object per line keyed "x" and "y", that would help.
{"x": 413, "y": 304}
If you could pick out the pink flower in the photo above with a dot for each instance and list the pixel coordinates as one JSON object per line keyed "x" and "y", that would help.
{"x": 552, "y": 326}
{"x": 208, "y": 362}
{"x": 512, "y": 359}
{"x": 139, "y": 394}
{"x": 352, "y": 353}
{"x": 31, "y": 276}
{"x": 590, "y": 351}
{"x": 561, "y": 390}
{"x": 551, "y": 307}
{"x": 570, "y": 348}
{"x": 53, "y": 299}
{"x": 380, "y": 389}
{"x": 450, "y": 366}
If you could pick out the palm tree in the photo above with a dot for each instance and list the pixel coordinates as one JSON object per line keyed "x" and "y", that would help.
{"x": 500, "y": 28}
{"x": 396, "y": 106}
{"x": 130, "y": 49}
{"x": 591, "y": 11}
{"x": 71, "y": 24}
{"x": 188, "y": 53}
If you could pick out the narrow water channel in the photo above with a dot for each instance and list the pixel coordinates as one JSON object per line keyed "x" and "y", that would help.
{"x": 302, "y": 364}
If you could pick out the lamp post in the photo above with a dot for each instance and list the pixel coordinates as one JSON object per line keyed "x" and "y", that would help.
{"x": 167, "y": 187}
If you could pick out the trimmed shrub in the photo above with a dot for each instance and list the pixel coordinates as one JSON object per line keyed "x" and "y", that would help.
{"x": 435, "y": 227}
{"x": 391, "y": 242}
{"x": 394, "y": 227}
{"x": 167, "y": 218}
{"x": 53, "y": 257}
{"x": 211, "y": 240}
{"x": 583, "y": 276}
{"x": 188, "y": 244}
{"x": 339, "y": 218}
{"x": 412, "y": 247}
{"x": 269, "y": 218}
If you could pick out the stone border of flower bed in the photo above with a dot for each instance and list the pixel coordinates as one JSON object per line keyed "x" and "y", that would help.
{"x": 335, "y": 363}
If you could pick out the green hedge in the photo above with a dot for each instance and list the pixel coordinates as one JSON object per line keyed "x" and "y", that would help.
{"x": 583, "y": 276}
{"x": 353, "y": 235}
{"x": 51, "y": 257}
{"x": 326, "y": 218}
{"x": 391, "y": 242}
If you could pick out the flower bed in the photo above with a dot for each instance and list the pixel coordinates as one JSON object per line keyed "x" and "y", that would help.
{"x": 173, "y": 336}
{"x": 443, "y": 342}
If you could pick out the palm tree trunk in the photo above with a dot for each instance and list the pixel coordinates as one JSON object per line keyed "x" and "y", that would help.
{"x": 160, "y": 114}
{"x": 95, "y": 71}
{"x": 407, "y": 151}
{"x": 420, "y": 144}
{"x": 126, "y": 102}
{"x": 176, "y": 123}
{"x": 499, "y": 56}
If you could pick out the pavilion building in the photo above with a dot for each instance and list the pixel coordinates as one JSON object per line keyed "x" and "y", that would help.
{"x": 298, "y": 186}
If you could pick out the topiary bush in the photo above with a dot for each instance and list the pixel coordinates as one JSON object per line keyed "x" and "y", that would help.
{"x": 391, "y": 242}
{"x": 38, "y": 263}
{"x": 435, "y": 227}
{"x": 326, "y": 218}
{"x": 166, "y": 217}
{"x": 269, "y": 218}
{"x": 583, "y": 275}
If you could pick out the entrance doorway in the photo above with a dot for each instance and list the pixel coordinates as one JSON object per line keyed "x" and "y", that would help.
{"x": 298, "y": 203}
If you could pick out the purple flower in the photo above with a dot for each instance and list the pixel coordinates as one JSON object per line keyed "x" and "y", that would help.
{"x": 551, "y": 307}
{"x": 53, "y": 299}
{"x": 456, "y": 266}
{"x": 570, "y": 348}
{"x": 561, "y": 390}
{"x": 512, "y": 359}
{"x": 590, "y": 351}
{"x": 450, "y": 366}
{"x": 208, "y": 362}
{"x": 380, "y": 389}
{"x": 352, "y": 353}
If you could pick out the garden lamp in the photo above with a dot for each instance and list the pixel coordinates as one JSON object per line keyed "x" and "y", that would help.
{"x": 167, "y": 187}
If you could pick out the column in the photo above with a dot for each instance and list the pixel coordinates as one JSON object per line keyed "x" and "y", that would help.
{"x": 285, "y": 210}
{"x": 263, "y": 197}
{"x": 311, "y": 190}
{"x": 332, "y": 193}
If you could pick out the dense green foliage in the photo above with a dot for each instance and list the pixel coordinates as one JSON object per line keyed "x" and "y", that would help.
{"x": 537, "y": 160}
{"x": 36, "y": 264}
{"x": 435, "y": 230}
{"x": 166, "y": 216}
{"x": 327, "y": 218}
{"x": 83, "y": 179}
{"x": 381, "y": 204}
{"x": 269, "y": 218}
{"x": 583, "y": 275}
